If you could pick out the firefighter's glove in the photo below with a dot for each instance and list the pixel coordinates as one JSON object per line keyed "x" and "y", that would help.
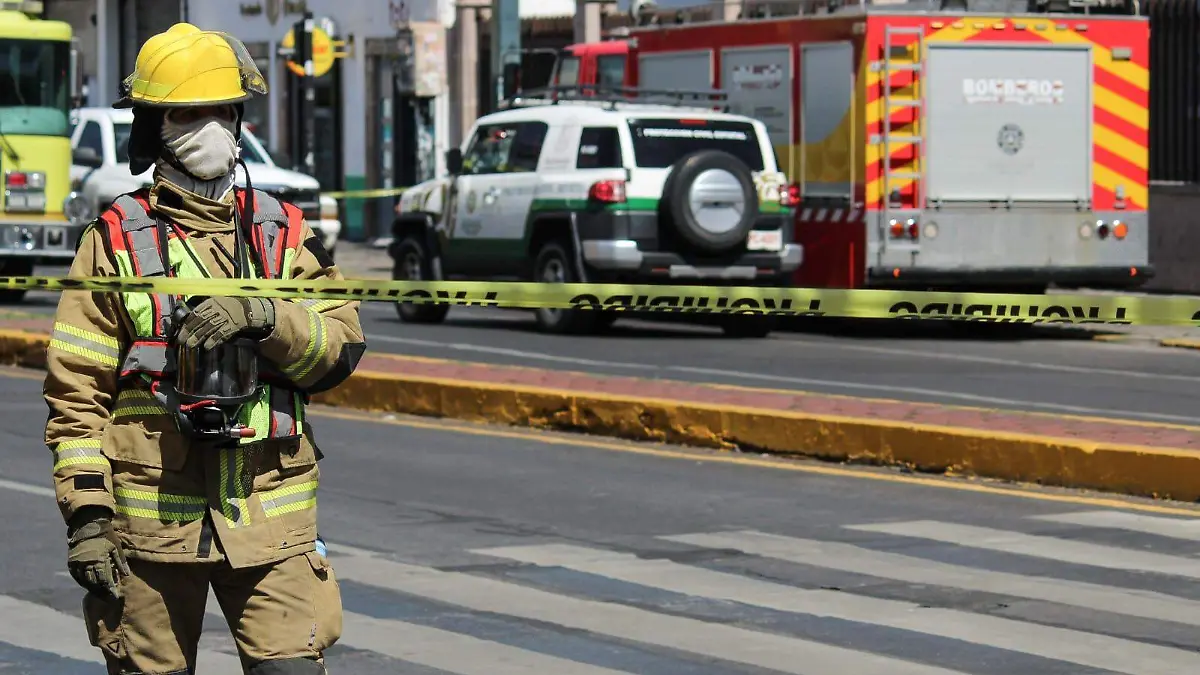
{"x": 95, "y": 559}
{"x": 218, "y": 319}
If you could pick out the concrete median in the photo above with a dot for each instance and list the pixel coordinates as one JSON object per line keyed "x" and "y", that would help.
{"x": 1117, "y": 456}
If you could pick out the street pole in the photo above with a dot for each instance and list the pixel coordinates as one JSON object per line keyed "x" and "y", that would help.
{"x": 310, "y": 99}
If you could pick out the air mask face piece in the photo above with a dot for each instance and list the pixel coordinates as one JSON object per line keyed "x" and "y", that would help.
{"x": 205, "y": 145}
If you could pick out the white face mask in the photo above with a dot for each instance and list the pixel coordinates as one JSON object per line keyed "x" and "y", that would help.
{"x": 206, "y": 147}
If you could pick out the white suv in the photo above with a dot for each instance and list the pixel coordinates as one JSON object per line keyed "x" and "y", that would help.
{"x": 100, "y": 169}
{"x": 597, "y": 190}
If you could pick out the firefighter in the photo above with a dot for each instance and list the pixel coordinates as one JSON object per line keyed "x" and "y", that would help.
{"x": 182, "y": 457}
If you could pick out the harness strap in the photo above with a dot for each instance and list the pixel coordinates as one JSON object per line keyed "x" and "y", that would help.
{"x": 145, "y": 239}
{"x": 269, "y": 222}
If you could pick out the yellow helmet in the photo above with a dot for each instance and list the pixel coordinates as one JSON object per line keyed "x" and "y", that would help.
{"x": 185, "y": 66}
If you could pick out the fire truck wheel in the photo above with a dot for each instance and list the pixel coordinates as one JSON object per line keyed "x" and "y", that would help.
{"x": 711, "y": 201}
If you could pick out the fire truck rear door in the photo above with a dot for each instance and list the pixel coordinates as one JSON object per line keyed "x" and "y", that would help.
{"x": 1008, "y": 122}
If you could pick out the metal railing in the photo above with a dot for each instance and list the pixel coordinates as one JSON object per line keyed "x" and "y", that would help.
{"x": 610, "y": 96}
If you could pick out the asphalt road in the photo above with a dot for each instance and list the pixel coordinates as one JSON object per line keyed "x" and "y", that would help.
{"x": 1049, "y": 370}
{"x": 474, "y": 550}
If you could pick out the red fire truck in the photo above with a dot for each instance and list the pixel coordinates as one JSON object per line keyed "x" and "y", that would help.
{"x": 929, "y": 148}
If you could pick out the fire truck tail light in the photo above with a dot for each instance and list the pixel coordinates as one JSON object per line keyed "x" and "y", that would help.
{"x": 931, "y": 230}
{"x": 15, "y": 179}
{"x": 901, "y": 229}
{"x": 1120, "y": 230}
{"x": 1102, "y": 229}
{"x": 607, "y": 192}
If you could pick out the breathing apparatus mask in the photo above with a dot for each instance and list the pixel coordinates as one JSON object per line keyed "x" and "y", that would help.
{"x": 212, "y": 385}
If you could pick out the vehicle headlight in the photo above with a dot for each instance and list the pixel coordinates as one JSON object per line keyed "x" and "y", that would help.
{"x": 77, "y": 209}
{"x": 329, "y": 208}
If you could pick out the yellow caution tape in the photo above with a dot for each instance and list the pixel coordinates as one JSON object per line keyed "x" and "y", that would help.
{"x": 857, "y": 303}
{"x": 364, "y": 194}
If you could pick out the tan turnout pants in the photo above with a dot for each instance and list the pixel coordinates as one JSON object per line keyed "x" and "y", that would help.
{"x": 288, "y": 609}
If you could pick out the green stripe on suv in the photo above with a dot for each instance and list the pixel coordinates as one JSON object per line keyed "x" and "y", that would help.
{"x": 630, "y": 204}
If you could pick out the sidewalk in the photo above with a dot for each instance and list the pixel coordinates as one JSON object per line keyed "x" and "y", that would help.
{"x": 1112, "y": 455}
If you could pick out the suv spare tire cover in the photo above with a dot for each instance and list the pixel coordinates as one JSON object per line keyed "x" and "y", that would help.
{"x": 711, "y": 199}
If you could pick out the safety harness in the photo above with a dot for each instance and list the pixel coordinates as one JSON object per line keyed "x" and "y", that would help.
{"x": 146, "y": 246}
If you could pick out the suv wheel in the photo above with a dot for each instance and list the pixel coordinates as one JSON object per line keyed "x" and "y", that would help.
{"x": 554, "y": 266}
{"x": 412, "y": 264}
{"x": 711, "y": 201}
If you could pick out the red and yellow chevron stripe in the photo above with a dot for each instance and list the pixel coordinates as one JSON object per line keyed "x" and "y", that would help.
{"x": 1120, "y": 95}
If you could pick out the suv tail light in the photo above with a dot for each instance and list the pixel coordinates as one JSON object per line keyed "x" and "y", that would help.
{"x": 607, "y": 192}
{"x": 790, "y": 196}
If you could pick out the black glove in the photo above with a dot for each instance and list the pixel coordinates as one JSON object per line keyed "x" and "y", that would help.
{"x": 217, "y": 319}
{"x": 94, "y": 557}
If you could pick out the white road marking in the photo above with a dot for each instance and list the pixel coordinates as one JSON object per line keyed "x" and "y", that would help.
{"x": 878, "y": 389}
{"x": 943, "y": 355}
{"x": 1062, "y": 644}
{"x": 785, "y": 654}
{"x": 443, "y": 649}
{"x": 1174, "y": 528}
{"x": 35, "y": 626}
{"x": 28, "y": 488}
{"x": 915, "y": 570}
{"x": 1039, "y": 546}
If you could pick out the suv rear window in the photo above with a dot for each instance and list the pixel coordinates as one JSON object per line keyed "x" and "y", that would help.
{"x": 659, "y": 143}
{"x": 599, "y": 148}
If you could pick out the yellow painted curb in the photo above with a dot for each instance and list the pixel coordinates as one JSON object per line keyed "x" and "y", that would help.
{"x": 1143, "y": 471}
{"x": 1181, "y": 343}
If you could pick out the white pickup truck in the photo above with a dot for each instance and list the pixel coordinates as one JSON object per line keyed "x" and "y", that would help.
{"x": 100, "y": 170}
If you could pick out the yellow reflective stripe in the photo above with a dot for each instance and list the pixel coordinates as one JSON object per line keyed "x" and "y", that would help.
{"x": 138, "y": 305}
{"x": 257, "y": 416}
{"x": 289, "y": 499}
{"x": 233, "y": 492}
{"x": 313, "y": 352}
{"x": 138, "y": 411}
{"x": 77, "y": 451}
{"x": 160, "y": 505}
{"x": 320, "y": 305}
{"x": 95, "y": 346}
{"x": 135, "y": 403}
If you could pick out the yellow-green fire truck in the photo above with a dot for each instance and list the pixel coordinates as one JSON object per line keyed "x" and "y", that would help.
{"x": 41, "y": 218}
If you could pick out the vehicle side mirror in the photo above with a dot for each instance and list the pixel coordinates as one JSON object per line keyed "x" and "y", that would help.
{"x": 454, "y": 161}
{"x": 86, "y": 157}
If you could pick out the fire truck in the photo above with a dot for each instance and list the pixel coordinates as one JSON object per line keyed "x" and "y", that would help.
{"x": 928, "y": 148}
{"x": 41, "y": 218}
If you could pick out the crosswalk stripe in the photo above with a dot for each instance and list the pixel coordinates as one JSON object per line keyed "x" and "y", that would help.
{"x": 914, "y": 570}
{"x": 1039, "y": 546}
{"x": 1091, "y": 649}
{"x": 1174, "y": 528}
{"x": 49, "y": 630}
{"x": 39, "y": 627}
{"x": 730, "y": 643}
{"x": 442, "y": 649}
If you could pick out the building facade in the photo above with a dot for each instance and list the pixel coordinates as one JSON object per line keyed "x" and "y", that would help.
{"x": 361, "y": 139}
{"x": 411, "y": 78}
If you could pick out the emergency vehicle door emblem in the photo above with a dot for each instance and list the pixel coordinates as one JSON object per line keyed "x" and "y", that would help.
{"x": 1010, "y": 139}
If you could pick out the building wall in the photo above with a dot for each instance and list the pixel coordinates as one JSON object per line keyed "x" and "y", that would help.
{"x": 263, "y": 28}
{"x": 109, "y": 34}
